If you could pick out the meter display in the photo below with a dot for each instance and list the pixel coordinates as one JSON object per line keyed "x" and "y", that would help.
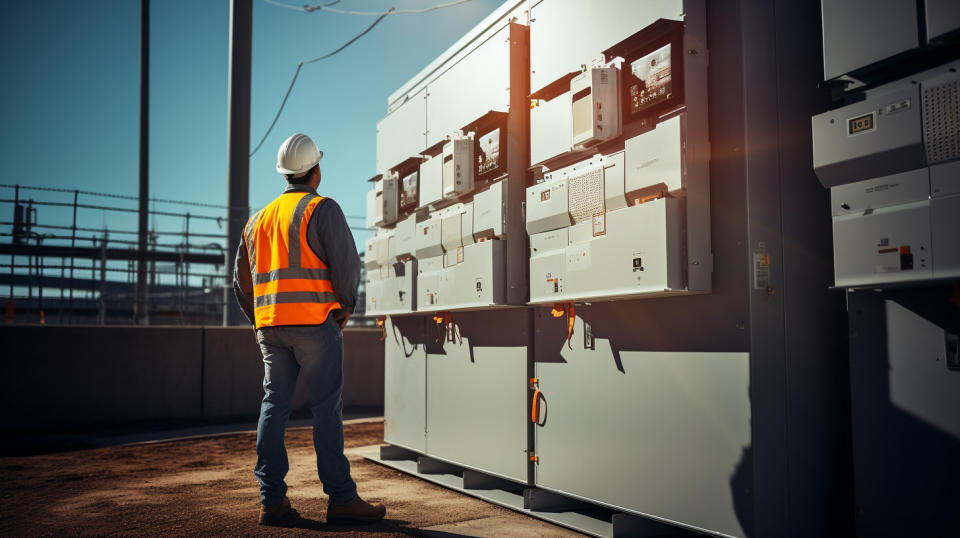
{"x": 649, "y": 81}
{"x": 489, "y": 162}
{"x": 860, "y": 124}
{"x": 410, "y": 191}
{"x": 652, "y": 78}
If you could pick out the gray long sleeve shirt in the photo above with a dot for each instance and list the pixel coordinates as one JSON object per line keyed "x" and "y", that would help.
{"x": 329, "y": 238}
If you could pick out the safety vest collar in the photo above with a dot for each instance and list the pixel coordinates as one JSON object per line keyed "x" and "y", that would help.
{"x": 295, "y": 187}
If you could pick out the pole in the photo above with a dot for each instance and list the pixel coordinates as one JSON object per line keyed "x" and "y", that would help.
{"x": 238, "y": 132}
{"x": 73, "y": 243}
{"x": 13, "y": 259}
{"x": 141, "y": 316}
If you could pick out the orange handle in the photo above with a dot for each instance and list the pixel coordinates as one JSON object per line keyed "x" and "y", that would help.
{"x": 383, "y": 329}
{"x": 535, "y": 408}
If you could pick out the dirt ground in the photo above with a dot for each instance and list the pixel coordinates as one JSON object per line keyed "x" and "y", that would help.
{"x": 206, "y": 487}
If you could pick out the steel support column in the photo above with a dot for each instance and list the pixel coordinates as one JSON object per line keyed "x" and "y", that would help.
{"x": 238, "y": 142}
{"x": 518, "y": 162}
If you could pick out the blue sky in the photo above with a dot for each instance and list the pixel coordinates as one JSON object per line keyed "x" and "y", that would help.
{"x": 70, "y": 96}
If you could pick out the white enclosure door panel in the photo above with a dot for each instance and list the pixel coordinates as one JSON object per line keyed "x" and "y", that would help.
{"x": 567, "y": 33}
{"x": 405, "y": 384}
{"x": 550, "y": 128}
{"x": 402, "y": 134}
{"x": 477, "y": 394}
{"x": 655, "y": 433}
{"x": 476, "y": 84}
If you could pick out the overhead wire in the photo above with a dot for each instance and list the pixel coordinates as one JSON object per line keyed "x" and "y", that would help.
{"x": 327, "y": 7}
{"x": 297, "y": 74}
{"x": 113, "y": 195}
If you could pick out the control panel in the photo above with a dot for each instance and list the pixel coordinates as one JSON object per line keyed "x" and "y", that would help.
{"x": 623, "y": 210}
{"x": 461, "y": 256}
{"x": 440, "y": 242}
{"x": 581, "y": 250}
{"x": 892, "y": 163}
{"x": 391, "y": 270}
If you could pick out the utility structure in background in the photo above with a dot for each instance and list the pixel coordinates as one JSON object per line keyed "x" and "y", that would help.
{"x": 74, "y": 254}
{"x": 238, "y": 141}
{"x": 76, "y": 270}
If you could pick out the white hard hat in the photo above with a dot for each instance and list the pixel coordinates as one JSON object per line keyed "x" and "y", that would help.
{"x": 297, "y": 155}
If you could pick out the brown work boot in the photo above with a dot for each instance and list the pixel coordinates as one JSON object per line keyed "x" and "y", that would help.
{"x": 279, "y": 515}
{"x": 355, "y": 511}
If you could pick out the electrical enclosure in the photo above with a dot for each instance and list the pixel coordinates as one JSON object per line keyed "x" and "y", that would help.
{"x": 390, "y": 199}
{"x": 550, "y": 128}
{"x": 652, "y": 72}
{"x": 457, "y": 166}
{"x": 579, "y": 250}
{"x": 391, "y": 270}
{"x": 595, "y": 106}
{"x": 878, "y": 136}
{"x": 892, "y": 162}
{"x": 654, "y": 160}
{"x": 488, "y": 210}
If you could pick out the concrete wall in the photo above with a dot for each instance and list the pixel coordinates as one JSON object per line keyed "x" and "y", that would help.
{"x": 70, "y": 375}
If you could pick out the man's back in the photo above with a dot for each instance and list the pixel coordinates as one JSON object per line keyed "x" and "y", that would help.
{"x": 296, "y": 277}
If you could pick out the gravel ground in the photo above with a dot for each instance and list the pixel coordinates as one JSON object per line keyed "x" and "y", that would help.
{"x": 206, "y": 487}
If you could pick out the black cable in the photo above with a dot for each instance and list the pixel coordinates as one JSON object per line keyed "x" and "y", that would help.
{"x": 297, "y": 73}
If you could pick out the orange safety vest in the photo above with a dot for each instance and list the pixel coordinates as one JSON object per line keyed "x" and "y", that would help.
{"x": 291, "y": 284}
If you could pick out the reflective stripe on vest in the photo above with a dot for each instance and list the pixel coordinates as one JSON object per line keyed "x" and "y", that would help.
{"x": 291, "y": 284}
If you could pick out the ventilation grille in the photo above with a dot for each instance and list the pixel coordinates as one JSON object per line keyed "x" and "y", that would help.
{"x": 941, "y": 121}
{"x": 586, "y": 195}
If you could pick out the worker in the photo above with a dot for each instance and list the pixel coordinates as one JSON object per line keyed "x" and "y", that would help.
{"x": 296, "y": 276}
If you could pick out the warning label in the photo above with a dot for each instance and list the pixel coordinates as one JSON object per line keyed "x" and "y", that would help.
{"x": 761, "y": 270}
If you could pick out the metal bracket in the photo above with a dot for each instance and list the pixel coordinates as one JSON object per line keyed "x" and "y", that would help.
{"x": 427, "y": 465}
{"x": 631, "y": 525}
{"x": 390, "y": 452}
{"x": 547, "y": 501}
{"x": 478, "y": 480}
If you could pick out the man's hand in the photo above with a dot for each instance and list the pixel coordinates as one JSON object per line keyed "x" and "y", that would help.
{"x": 341, "y": 316}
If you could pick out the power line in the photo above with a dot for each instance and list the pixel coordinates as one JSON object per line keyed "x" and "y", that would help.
{"x": 326, "y": 7}
{"x": 297, "y": 73}
{"x": 112, "y": 195}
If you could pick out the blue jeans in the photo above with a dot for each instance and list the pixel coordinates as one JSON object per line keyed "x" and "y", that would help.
{"x": 317, "y": 352}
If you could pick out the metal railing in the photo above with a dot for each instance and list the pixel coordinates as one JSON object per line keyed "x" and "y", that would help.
{"x": 59, "y": 266}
